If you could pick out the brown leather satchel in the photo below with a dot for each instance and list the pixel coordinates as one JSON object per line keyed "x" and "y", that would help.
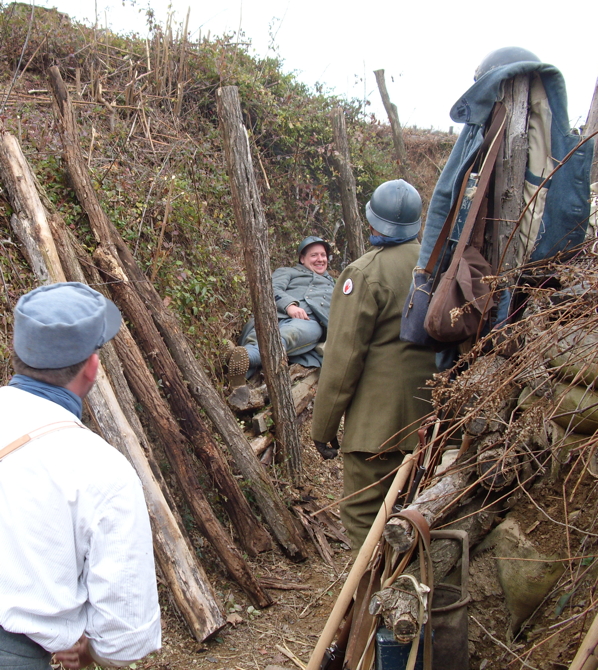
{"x": 462, "y": 301}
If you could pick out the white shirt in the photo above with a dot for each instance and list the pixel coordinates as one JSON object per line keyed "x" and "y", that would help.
{"x": 75, "y": 541}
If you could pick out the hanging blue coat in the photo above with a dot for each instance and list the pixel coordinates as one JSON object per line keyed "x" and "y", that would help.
{"x": 567, "y": 202}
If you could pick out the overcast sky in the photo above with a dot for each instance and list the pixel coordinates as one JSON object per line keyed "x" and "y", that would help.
{"x": 429, "y": 49}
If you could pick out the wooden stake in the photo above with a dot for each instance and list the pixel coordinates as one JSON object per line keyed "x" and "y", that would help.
{"x": 591, "y": 126}
{"x": 393, "y": 117}
{"x": 253, "y": 228}
{"x": 510, "y": 172}
{"x": 348, "y": 187}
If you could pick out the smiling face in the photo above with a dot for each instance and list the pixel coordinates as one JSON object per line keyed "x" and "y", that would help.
{"x": 315, "y": 258}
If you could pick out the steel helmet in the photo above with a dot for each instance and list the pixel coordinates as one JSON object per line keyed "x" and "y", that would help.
{"x": 503, "y": 56}
{"x": 308, "y": 241}
{"x": 395, "y": 209}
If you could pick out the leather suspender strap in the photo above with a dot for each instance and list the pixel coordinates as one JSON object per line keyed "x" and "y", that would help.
{"x": 38, "y": 432}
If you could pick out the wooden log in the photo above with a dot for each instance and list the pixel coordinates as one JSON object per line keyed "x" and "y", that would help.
{"x": 187, "y": 581}
{"x": 399, "y": 606}
{"x": 591, "y": 126}
{"x": 347, "y": 186}
{"x": 273, "y": 508}
{"x": 253, "y": 537}
{"x": 244, "y": 398}
{"x": 267, "y": 458}
{"x": 393, "y": 117}
{"x": 431, "y": 503}
{"x": 510, "y": 171}
{"x": 479, "y": 382}
{"x": 259, "y": 422}
{"x": 253, "y": 228}
{"x": 29, "y": 219}
{"x": 497, "y": 466}
{"x": 261, "y": 443}
{"x": 302, "y": 393}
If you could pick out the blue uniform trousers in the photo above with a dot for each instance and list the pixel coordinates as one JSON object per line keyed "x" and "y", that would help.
{"x": 19, "y": 652}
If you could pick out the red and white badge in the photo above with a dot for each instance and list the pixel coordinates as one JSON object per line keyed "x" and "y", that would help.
{"x": 348, "y": 286}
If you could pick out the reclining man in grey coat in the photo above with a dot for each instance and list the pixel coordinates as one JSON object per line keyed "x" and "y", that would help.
{"x": 302, "y": 295}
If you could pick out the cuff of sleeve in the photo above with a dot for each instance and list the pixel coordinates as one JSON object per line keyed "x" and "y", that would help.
{"x": 285, "y": 304}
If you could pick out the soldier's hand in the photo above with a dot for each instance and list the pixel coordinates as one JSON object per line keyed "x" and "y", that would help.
{"x": 77, "y": 657}
{"x": 325, "y": 451}
{"x": 296, "y": 312}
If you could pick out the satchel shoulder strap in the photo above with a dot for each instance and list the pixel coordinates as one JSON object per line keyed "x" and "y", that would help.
{"x": 38, "y": 432}
{"x": 488, "y": 143}
{"x": 497, "y": 132}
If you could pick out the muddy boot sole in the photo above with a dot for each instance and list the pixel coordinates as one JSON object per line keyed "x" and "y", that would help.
{"x": 238, "y": 366}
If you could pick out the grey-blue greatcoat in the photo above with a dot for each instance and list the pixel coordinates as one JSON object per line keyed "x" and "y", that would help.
{"x": 303, "y": 287}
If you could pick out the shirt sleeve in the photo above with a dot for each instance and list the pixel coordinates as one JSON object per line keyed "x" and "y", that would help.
{"x": 353, "y": 314}
{"x": 281, "y": 279}
{"x": 123, "y": 615}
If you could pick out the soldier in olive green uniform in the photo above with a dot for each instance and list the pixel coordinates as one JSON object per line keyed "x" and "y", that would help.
{"x": 368, "y": 374}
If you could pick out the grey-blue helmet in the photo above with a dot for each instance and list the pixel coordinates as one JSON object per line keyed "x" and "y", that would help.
{"x": 308, "y": 241}
{"x": 395, "y": 209}
{"x": 504, "y": 56}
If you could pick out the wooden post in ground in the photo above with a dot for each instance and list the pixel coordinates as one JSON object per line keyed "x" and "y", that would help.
{"x": 275, "y": 512}
{"x": 510, "y": 170}
{"x": 189, "y": 586}
{"x": 251, "y": 533}
{"x": 251, "y": 221}
{"x": 348, "y": 189}
{"x": 395, "y": 126}
{"x": 590, "y": 127}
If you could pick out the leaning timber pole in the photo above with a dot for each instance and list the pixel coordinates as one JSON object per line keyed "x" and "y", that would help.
{"x": 199, "y": 385}
{"x": 348, "y": 189}
{"x": 251, "y": 221}
{"x": 251, "y": 533}
{"x": 188, "y": 583}
{"x": 393, "y": 117}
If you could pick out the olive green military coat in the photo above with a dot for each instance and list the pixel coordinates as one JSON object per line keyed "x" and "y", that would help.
{"x": 368, "y": 374}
